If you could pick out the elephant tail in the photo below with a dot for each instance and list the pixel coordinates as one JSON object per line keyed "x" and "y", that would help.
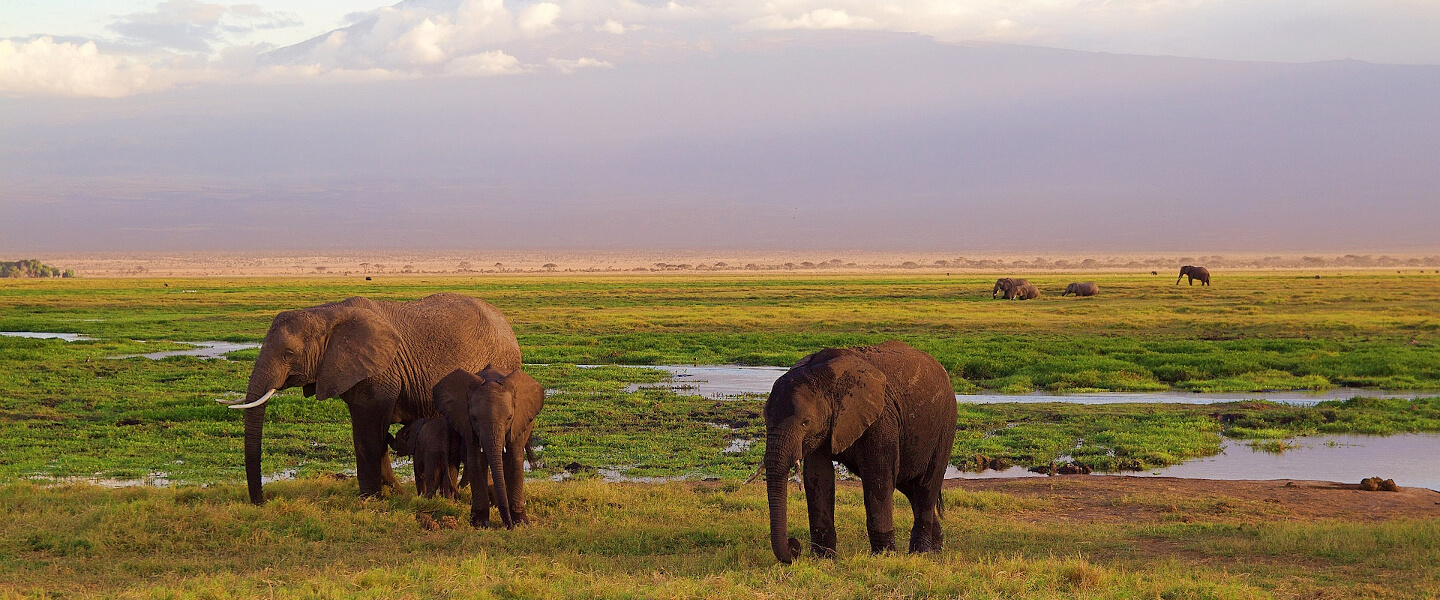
{"x": 940, "y": 506}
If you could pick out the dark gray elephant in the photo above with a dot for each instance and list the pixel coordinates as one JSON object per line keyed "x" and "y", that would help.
{"x": 494, "y": 412}
{"x": 438, "y": 453}
{"x": 1005, "y": 286}
{"x": 1081, "y": 289}
{"x": 381, "y": 358}
{"x": 887, "y": 413}
{"x": 1194, "y": 273}
{"x": 1024, "y": 290}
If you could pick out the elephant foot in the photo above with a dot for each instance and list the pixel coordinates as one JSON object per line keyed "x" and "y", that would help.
{"x": 882, "y": 541}
{"x": 822, "y": 543}
{"x": 480, "y": 520}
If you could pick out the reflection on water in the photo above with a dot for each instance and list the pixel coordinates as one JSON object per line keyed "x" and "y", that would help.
{"x": 1412, "y": 460}
{"x": 41, "y": 335}
{"x": 733, "y": 381}
{"x": 202, "y": 350}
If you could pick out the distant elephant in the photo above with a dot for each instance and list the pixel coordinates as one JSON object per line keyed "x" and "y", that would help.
{"x": 494, "y": 412}
{"x": 1081, "y": 289}
{"x": 887, "y": 413}
{"x": 382, "y": 358}
{"x": 1194, "y": 273}
{"x": 438, "y": 452}
{"x": 1003, "y": 285}
{"x": 1025, "y": 290}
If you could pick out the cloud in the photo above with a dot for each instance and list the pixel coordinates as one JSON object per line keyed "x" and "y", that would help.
{"x": 43, "y": 67}
{"x": 570, "y": 66}
{"x": 193, "y": 26}
{"x": 494, "y": 62}
{"x": 195, "y": 40}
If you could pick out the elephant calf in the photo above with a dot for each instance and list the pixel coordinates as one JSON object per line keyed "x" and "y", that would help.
{"x": 887, "y": 413}
{"x": 1081, "y": 289}
{"x": 1024, "y": 290}
{"x": 438, "y": 452}
{"x": 494, "y": 413}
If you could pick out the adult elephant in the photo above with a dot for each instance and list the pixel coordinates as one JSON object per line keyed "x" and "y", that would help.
{"x": 1081, "y": 289}
{"x": 1194, "y": 273}
{"x": 382, "y": 358}
{"x": 887, "y": 413}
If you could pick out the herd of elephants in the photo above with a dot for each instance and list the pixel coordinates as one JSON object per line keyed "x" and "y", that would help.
{"x": 447, "y": 367}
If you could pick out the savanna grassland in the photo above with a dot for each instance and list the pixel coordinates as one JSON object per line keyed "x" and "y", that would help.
{"x": 69, "y": 411}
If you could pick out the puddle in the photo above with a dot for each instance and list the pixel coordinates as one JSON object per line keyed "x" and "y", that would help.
{"x": 715, "y": 381}
{"x": 152, "y": 480}
{"x": 735, "y": 381}
{"x": 613, "y": 475}
{"x": 202, "y": 350}
{"x": 1409, "y": 459}
{"x": 738, "y": 445}
{"x": 41, "y": 335}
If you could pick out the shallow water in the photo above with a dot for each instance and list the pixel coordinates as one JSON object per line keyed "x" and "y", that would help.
{"x": 735, "y": 381}
{"x": 41, "y": 335}
{"x": 202, "y": 350}
{"x": 1412, "y": 460}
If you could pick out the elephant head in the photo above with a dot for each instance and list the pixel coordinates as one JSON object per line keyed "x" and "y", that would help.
{"x": 1071, "y": 289}
{"x": 481, "y": 408}
{"x": 821, "y": 405}
{"x": 325, "y": 350}
{"x": 1003, "y": 284}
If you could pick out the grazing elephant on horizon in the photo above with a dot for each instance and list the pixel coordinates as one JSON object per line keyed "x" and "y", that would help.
{"x": 1194, "y": 273}
{"x": 1081, "y": 289}
{"x": 1024, "y": 290}
{"x": 887, "y": 413}
{"x": 494, "y": 412}
{"x": 382, "y": 358}
{"x": 438, "y": 452}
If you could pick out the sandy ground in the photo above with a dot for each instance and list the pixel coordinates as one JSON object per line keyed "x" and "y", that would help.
{"x": 1118, "y": 498}
{"x": 417, "y": 263}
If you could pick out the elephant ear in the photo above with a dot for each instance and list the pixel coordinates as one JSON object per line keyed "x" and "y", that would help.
{"x": 452, "y": 399}
{"x": 361, "y": 345}
{"x": 859, "y": 390}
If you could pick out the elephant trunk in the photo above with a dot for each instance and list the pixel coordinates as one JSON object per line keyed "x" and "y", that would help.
{"x": 497, "y": 473}
{"x": 254, "y": 428}
{"x": 779, "y": 458}
{"x": 262, "y": 385}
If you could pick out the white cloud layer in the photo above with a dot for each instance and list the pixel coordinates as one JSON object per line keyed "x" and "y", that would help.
{"x": 185, "y": 41}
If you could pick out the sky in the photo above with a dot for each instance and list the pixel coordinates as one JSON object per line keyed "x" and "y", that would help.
{"x": 1055, "y": 125}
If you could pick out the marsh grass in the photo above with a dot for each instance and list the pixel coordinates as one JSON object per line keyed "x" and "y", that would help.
{"x": 314, "y": 538}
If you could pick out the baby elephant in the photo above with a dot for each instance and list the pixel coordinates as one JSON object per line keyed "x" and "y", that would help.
{"x": 1024, "y": 290}
{"x": 1081, "y": 289}
{"x": 494, "y": 413}
{"x": 438, "y": 452}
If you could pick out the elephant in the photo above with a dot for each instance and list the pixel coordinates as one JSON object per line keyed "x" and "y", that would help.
{"x": 1081, "y": 289}
{"x": 382, "y": 358}
{"x": 1194, "y": 273}
{"x": 887, "y": 413}
{"x": 494, "y": 412}
{"x": 1024, "y": 290}
{"x": 1005, "y": 285}
{"x": 438, "y": 452}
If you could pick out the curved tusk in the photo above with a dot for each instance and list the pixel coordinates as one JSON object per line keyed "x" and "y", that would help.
{"x": 256, "y": 403}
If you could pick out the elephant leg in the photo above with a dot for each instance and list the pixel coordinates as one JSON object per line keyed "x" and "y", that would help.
{"x": 925, "y": 536}
{"x": 880, "y": 514}
{"x": 368, "y": 427}
{"x": 515, "y": 481}
{"x": 819, "y": 474}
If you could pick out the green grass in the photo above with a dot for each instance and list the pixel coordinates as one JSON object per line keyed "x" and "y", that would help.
{"x": 594, "y": 540}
